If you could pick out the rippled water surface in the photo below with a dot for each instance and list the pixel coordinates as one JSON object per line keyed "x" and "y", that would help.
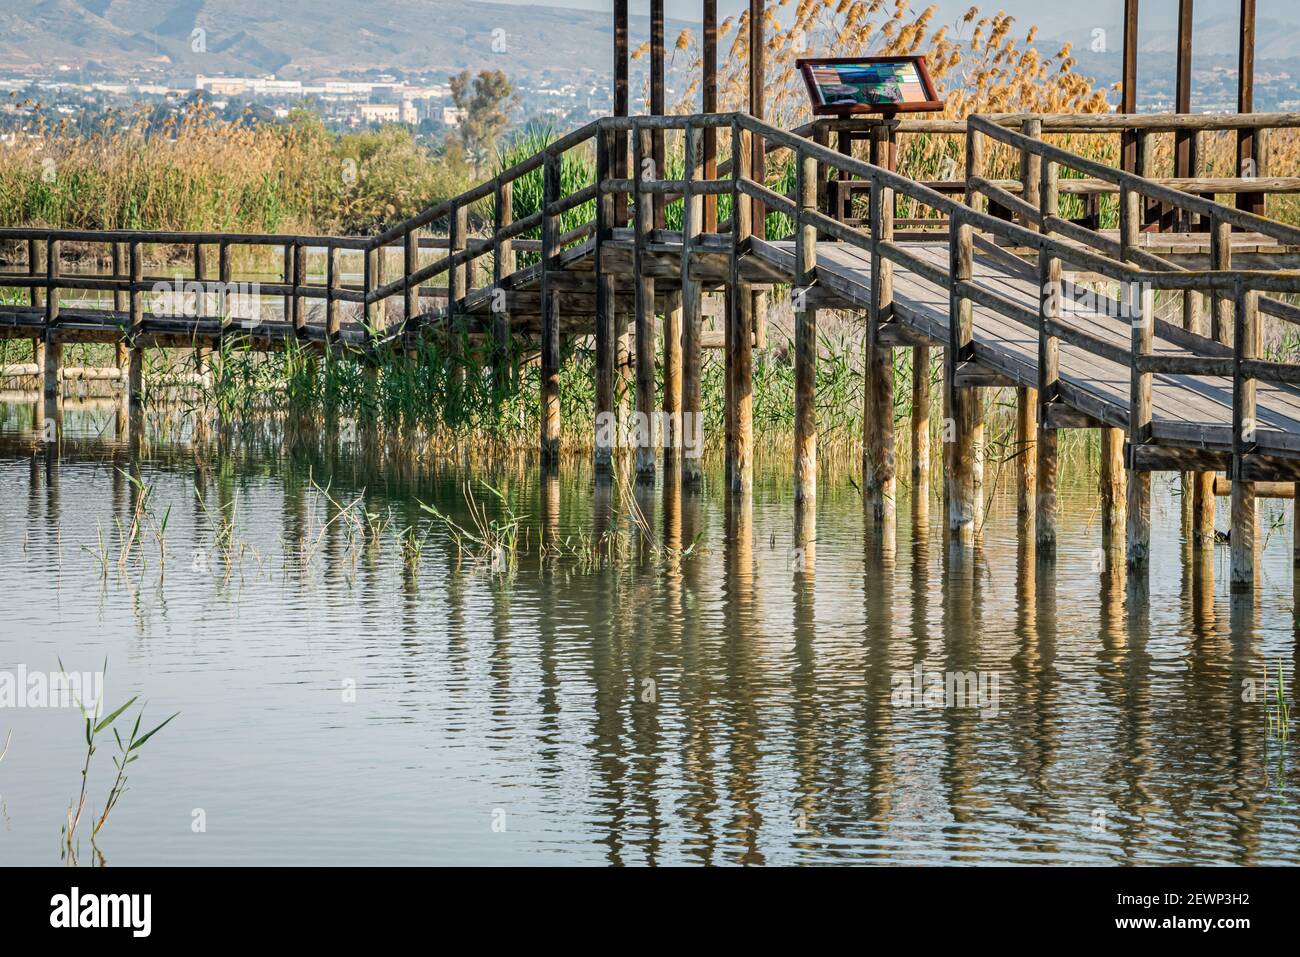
{"x": 738, "y": 704}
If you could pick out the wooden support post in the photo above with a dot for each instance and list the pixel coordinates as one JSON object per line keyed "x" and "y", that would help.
{"x": 657, "y": 104}
{"x": 709, "y": 53}
{"x": 53, "y": 358}
{"x": 693, "y": 214}
{"x": 1128, "y": 85}
{"x": 299, "y": 280}
{"x": 135, "y": 375}
{"x": 121, "y": 303}
{"x": 550, "y": 344}
{"x": 1113, "y": 491}
{"x": 458, "y": 281}
{"x": 1141, "y": 303}
{"x": 741, "y": 349}
{"x": 1026, "y": 454}
{"x": 1220, "y": 259}
{"x": 201, "y": 303}
{"x": 605, "y": 423}
{"x": 1247, "y": 139}
{"x": 962, "y": 401}
{"x": 878, "y": 466}
{"x": 1031, "y": 169}
{"x": 331, "y": 299}
{"x": 36, "y": 266}
{"x": 1185, "y": 141}
{"x": 410, "y": 290}
{"x": 920, "y": 422}
{"x": 758, "y": 109}
{"x": 672, "y": 397}
{"x": 503, "y": 265}
{"x": 645, "y": 314}
{"x": 805, "y": 335}
{"x": 287, "y": 279}
{"x": 1049, "y": 373}
{"x": 1246, "y": 337}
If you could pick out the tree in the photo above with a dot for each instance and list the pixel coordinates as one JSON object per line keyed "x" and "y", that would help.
{"x": 485, "y": 103}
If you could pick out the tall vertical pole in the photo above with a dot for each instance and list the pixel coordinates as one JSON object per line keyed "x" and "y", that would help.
{"x": 710, "y": 104}
{"x": 692, "y": 313}
{"x": 606, "y": 351}
{"x": 805, "y": 336}
{"x": 758, "y": 155}
{"x": 1128, "y": 84}
{"x": 1248, "y": 158}
{"x": 645, "y": 314}
{"x": 550, "y": 344}
{"x": 657, "y": 99}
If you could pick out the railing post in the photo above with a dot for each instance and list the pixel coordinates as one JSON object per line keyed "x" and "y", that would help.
{"x": 963, "y": 403}
{"x": 1246, "y": 347}
{"x": 878, "y": 465}
{"x": 1049, "y": 371}
{"x": 643, "y": 216}
{"x": 53, "y": 385}
{"x": 550, "y": 332}
{"x": 740, "y": 355}
{"x": 694, "y": 216}
{"x": 332, "y": 255}
{"x": 1220, "y": 260}
{"x": 503, "y": 265}
{"x": 299, "y": 281}
{"x": 200, "y": 303}
{"x": 135, "y": 376}
{"x": 225, "y": 273}
{"x": 1141, "y": 309}
{"x": 605, "y": 424}
{"x": 121, "y": 303}
{"x": 1031, "y": 168}
{"x": 805, "y": 335}
{"x": 458, "y": 289}
{"x": 36, "y": 266}
{"x": 410, "y": 290}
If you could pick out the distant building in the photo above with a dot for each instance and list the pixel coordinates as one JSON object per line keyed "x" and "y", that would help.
{"x": 379, "y": 112}
{"x": 452, "y": 116}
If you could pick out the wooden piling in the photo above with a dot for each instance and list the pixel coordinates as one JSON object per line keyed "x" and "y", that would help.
{"x": 503, "y": 264}
{"x": 1138, "y": 518}
{"x": 920, "y": 422}
{"x": 53, "y": 357}
{"x": 693, "y": 213}
{"x": 1049, "y": 373}
{"x": 1026, "y": 454}
{"x": 550, "y": 333}
{"x": 962, "y": 402}
{"x": 1246, "y": 329}
{"x": 135, "y": 375}
{"x": 672, "y": 397}
{"x": 879, "y": 471}
{"x": 741, "y": 348}
{"x": 645, "y": 315}
{"x": 1113, "y": 490}
{"x": 37, "y": 264}
{"x": 805, "y": 337}
{"x": 606, "y": 344}
{"x": 121, "y": 303}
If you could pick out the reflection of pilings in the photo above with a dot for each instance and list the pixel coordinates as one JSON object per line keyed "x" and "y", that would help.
{"x": 745, "y": 742}
{"x": 806, "y": 719}
{"x": 960, "y": 770}
{"x": 920, "y": 575}
{"x": 700, "y": 799}
{"x": 549, "y": 510}
{"x": 878, "y": 592}
{"x": 1125, "y": 673}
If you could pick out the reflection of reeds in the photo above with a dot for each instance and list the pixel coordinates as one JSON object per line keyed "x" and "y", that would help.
{"x": 1278, "y": 711}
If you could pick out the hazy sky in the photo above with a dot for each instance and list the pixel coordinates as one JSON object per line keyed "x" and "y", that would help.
{"x": 1053, "y": 17}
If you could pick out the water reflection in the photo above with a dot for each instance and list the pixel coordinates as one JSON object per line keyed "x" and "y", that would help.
{"x": 665, "y": 674}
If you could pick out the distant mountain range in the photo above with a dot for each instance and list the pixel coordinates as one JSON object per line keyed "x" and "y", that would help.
{"x": 298, "y": 37}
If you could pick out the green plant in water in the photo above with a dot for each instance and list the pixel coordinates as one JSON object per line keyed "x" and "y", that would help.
{"x": 95, "y": 726}
{"x": 493, "y": 541}
{"x": 1279, "y": 712}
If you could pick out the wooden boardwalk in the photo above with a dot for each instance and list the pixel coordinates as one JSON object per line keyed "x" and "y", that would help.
{"x": 992, "y": 273}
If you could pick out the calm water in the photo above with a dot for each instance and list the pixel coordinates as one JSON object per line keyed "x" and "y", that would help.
{"x": 734, "y": 706}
